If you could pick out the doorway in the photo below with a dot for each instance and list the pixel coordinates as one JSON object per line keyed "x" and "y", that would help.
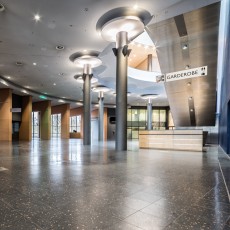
{"x": 35, "y": 124}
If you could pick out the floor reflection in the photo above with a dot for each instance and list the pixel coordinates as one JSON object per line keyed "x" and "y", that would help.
{"x": 62, "y": 184}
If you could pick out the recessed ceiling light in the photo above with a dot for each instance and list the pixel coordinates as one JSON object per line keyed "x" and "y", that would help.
{"x": 18, "y": 63}
{"x": 60, "y": 47}
{"x": 37, "y": 17}
{"x": 54, "y": 83}
{"x": 24, "y": 91}
{"x": 34, "y": 63}
{"x": 135, "y": 6}
{"x": 191, "y": 110}
{"x": 8, "y": 77}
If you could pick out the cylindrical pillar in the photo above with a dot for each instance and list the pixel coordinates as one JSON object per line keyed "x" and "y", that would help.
{"x": 149, "y": 115}
{"x": 101, "y": 116}
{"x": 5, "y": 114}
{"x": 150, "y": 62}
{"x": 87, "y": 74}
{"x": 121, "y": 91}
{"x": 25, "y": 131}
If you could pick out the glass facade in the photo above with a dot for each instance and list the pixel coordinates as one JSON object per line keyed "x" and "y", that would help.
{"x": 75, "y": 124}
{"x": 137, "y": 120}
{"x": 56, "y": 125}
{"x": 35, "y": 124}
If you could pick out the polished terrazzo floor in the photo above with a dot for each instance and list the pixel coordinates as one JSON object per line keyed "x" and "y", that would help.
{"x": 61, "y": 184}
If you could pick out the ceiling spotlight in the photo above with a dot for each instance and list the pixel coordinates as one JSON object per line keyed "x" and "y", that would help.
{"x": 100, "y": 88}
{"x": 2, "y": 7}
{"x": 3, "y": 82}
{"x": 79, "y": 78}
{"x": 34, "y": 63}
{"x": 18, "y": 63}
{"x": 24, "y": 91}
{"x": 123, "y": 19}
{"x": 185, "y": 46}
{"x": 149, "y": 96}
{"x": 60, "y": 47}
{"x": 8, "y": 77}
{"x": 191, "y": 110}
{"x": 54, "y": 83}
{"x": 37, "y": 17}
{"x": 135, "y": 6}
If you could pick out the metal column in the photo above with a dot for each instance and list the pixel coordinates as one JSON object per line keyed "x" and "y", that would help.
{"x": 87, "y": 75}
{"x": 150, "y": 62}
{"x": 149, "y": 115}
{"x": 101, "y": 117}
{"x": 149, "y": 105}
{"x": 122, "y": 54}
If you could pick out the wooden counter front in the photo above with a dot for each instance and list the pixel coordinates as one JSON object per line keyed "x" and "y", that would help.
{"x": 191, "y": 140}
{"x": 75, "y": 135}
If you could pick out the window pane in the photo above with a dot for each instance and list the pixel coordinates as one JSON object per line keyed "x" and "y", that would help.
{"x": 162, "y": 115}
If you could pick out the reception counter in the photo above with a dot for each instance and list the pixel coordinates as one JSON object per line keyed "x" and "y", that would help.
{"x": 191, "y": 140}
{"x": 74, "y": 135}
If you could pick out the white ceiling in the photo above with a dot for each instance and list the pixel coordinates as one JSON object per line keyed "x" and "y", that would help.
{"x": 71, "y": 23}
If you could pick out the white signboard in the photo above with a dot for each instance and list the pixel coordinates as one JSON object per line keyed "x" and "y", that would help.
{"x": 189, "y": 73}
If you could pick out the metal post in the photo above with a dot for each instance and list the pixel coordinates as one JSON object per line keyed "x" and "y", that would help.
{"x": 149, "y": 115}
{"x": 87, "y": 74}
{"x": 149, "y": 105}
{"x": 150, "y": 62}
{"x": 121, "y": 90}
{"x": 101, "y": 116}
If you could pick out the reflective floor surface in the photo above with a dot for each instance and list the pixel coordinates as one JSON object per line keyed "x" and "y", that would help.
{"x": 61, "y": 184}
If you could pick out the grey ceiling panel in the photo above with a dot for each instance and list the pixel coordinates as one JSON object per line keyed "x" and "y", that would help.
{"x": 202, "y": 38}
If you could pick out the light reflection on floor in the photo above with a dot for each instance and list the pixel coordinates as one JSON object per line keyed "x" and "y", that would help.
{"x": 61, "y": 184}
